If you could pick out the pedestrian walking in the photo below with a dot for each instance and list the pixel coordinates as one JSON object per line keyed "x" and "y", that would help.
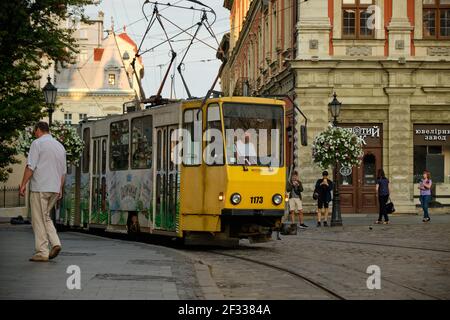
{"x": 323, "y": 190}
{"x": 383, "y": 189}
{"x": 295, "y": 189}
{"x": 46, "y": 170}
{"x": 425, "y": 194}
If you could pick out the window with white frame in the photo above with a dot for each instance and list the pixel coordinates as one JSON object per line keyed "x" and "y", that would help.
{"x": 83, "y": 33}
{"x": 111, "y": 79}
{"x": 82, "y": 55}
{"x": 82, "y": 116}
{"x": 67, "y": 118}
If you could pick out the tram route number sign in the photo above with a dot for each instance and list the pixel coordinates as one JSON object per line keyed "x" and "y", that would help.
{"x": 345, "y": 171}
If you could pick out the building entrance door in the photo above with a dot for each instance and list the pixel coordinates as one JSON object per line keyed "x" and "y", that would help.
{"x": 357, "y": 190}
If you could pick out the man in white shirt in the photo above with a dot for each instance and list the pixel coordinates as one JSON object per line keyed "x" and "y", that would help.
{"x": 46, "y": 170}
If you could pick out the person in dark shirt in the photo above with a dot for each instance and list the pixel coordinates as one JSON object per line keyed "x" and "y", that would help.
{"x": 383, "y": 191}
{"x": 323, "y": 188}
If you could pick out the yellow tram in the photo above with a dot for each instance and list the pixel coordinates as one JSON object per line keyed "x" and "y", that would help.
{"x": 200, "y": 171}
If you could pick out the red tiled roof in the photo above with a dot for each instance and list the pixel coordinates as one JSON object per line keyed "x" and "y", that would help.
{"x": 98, "y": 53}
{"x": 124, "y": 36}
{"x": 127, "y": 38}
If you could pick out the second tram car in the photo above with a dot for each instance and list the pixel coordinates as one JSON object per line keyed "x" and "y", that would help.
{"x": 134, "y": 177}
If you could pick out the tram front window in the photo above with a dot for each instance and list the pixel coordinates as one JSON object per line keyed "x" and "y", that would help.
{"x": 253, "y": 134}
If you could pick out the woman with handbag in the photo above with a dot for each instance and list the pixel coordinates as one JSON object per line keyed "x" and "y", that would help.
{"x": 425, "y": 194}
{"x": 383, "y": 188}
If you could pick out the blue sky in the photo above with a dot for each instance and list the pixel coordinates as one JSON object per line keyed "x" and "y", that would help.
{"x": 201, "y": 65}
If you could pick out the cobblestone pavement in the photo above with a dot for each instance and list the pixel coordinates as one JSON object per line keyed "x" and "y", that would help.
{"x": 414, "y": 259}
{"x": 110, "y": 269}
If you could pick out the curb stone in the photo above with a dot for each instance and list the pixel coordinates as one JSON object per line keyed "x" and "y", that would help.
{"x": 204, "y": 276}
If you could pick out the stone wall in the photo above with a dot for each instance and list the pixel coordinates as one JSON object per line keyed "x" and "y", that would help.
{"x": 396, "y": 95}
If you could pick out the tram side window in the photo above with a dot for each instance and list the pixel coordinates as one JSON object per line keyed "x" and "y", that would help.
{"x": 87, "y": 149}
{"x": 192, "y": 145}
{"x": 214, "y": 149}
{"x": 104, "y": 156}
{"x": 119, "y": 145}
{"x": 141, "y": 143}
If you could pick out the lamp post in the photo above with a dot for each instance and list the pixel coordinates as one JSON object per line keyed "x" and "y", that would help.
{"x": 50, "y": 98}
{"x": 336, "y": 219}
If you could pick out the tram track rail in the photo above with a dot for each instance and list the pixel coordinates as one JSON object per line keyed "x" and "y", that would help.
{"x": 379, "y": 244}
{"x": 330, "y": 292}
{"x": 310, "y": 281}
{"x": 383, "y": 278}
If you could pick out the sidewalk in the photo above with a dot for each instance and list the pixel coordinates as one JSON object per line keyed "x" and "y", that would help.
{"x": 110, "y": 269}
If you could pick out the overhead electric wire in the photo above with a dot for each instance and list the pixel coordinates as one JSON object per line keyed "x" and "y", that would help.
{"x": 206, "y": 44}
{"x": 194, "y": 37}
{"x": 139, "y": 20}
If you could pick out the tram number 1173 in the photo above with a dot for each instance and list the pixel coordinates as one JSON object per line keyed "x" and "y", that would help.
{"x": 256, "y": 200}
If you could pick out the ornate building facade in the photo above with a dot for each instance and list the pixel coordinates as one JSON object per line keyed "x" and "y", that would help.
{"x": 102, "y": 79}
{"x": 389, "y": 63}
{"x": 98, "y": 84}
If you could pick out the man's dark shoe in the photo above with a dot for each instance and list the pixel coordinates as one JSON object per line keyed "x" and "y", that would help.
{"x": 54, "y": 252}
{"x": 318, "y": 224}
{"x": 325, "y": 224}
{"x": 303, "y": 225}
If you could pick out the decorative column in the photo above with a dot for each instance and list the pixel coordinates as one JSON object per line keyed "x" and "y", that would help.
{"x": 313, "y": 29}
{"x": 399, "y": 30}
{"x": 400, "y": 145}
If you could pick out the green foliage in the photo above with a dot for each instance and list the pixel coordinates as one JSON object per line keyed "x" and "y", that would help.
{"x": 65, "y": 133}
{"x": 31, "y": 36}
{"x": 337, "y": 145}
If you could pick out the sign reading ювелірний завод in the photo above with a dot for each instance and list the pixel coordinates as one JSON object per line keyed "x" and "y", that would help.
{"x": 431, "y": 134}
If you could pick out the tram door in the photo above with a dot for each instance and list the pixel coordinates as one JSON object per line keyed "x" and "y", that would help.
{"x": 99, "y": 213}
{"x": 167, "y": 181}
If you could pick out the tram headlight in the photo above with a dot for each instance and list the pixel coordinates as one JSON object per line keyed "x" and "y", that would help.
{"x": 235, "y": 198}
{"x": 277, "y": 199}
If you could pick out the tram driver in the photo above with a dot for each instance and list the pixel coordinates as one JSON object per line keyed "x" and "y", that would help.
{"x": 246, "y": 151}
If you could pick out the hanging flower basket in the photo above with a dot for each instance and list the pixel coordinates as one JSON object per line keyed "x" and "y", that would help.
{"x": 66, "y": 134}
{"x": 337, "y": 145}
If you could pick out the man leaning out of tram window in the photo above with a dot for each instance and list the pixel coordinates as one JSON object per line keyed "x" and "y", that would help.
{"x": 295, "y": 189}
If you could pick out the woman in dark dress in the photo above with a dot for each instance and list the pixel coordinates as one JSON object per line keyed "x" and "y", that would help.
{"x": 383, "y": 191}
